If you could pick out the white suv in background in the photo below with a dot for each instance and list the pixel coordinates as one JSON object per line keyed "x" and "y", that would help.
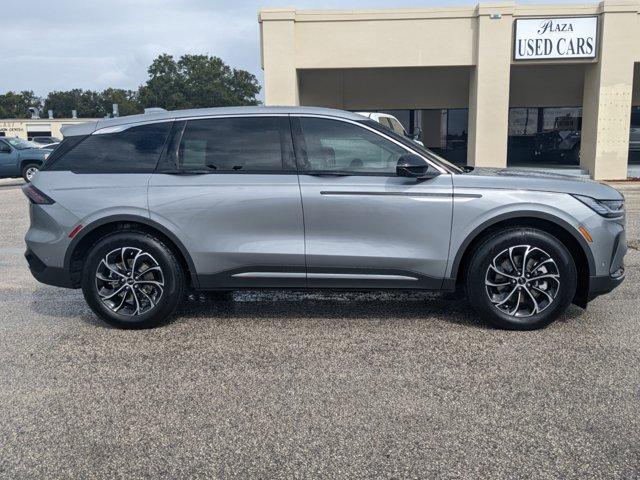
{"x": 392, "y": 123}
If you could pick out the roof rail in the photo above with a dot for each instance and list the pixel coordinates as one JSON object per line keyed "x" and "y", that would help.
{"x": 153, "y": 110}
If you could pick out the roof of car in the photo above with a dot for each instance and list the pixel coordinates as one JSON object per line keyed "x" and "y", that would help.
{"x": 155, "y": 115}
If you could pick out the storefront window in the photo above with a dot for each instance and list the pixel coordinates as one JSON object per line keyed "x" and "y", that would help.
{"x": 446, "y": 132}
{"x": 549, "y": 135}
{"x": 634, "y": 136}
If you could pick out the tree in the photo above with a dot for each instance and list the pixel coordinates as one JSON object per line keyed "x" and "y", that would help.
{"x": 16, "y": 105}
{"x": 196, "y": 81}
{"x": 85, "y": 102}
{"x": 127, "y": 101}
{"x": 88, "y": 103}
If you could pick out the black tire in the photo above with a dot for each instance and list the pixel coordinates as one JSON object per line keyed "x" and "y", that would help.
{"x": 138, "y": 309}
{"x": 27, "y": 169}
{"x": 534, "y": 293}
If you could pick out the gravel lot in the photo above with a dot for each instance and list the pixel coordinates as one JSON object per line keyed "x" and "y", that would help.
{"x": 323, "y": 385}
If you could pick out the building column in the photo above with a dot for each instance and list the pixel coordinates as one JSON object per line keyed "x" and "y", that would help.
{"x": 608, "y": 87}
{"x": 277, "y": 30}
{"x": 489, "y": 87}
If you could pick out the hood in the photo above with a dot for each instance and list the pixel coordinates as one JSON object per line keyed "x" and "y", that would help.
{"x": 536, "y": 180}
{"x": 33, "y": 152}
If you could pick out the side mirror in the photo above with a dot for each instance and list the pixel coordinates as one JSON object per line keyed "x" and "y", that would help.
{"x": 413, "y": 166}
{"x": 416, "y": 133}
{"x": 4, "y": 148}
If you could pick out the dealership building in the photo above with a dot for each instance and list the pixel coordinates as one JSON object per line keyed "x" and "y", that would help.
{"x": 37, "y": 127}
{"x": 496, "y": 84}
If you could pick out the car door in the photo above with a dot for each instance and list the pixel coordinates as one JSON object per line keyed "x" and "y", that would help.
{"x": 365, "y": 227}
{"x": 228, "y": 188}
{"x": 8, "y": 160}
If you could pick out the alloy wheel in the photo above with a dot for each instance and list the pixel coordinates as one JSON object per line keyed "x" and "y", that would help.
{"x": 522, "y": 281}
{"x": 129, "y": 281}
{"x": 31, "y": 171}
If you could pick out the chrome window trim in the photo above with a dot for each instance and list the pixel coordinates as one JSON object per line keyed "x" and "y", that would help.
{"x": 120, "y": 128}
{"x": 127, "y": 126}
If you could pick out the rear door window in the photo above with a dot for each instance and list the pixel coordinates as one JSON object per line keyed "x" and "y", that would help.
{"x": 134, "y": 150}
{"x": 237, "y": 145}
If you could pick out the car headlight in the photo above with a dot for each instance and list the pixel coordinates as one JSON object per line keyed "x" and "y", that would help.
{"x": 606, "y": 208}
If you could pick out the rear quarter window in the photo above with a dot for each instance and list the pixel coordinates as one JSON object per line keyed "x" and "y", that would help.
{"x": 134, "y": 150}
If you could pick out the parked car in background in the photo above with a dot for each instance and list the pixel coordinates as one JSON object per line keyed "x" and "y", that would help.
{"x": 139, "y": 210}
{"x": 20, "y": 158}
{"x": 44, "y": 141}
{"x": 392, "y": 123}
{"x": 562, "y": 143}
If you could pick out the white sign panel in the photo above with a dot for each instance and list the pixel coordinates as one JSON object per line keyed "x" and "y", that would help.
{"x": 556, "y": 38}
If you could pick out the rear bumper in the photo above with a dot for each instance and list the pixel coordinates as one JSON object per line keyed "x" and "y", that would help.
{"x": 58, "y": 277}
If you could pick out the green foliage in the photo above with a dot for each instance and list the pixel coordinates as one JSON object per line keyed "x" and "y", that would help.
{"x": 197, "y": 81}
{"x": 16, "y": 105}
{"x": 193, "y": 81}
{"x": 90, "y": 104}
{"x": 127, "y": 101}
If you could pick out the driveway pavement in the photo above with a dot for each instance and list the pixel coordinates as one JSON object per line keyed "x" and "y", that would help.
{"x": 319, "y": 385}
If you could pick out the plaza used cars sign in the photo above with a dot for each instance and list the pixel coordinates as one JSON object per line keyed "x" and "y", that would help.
{"x": 555, "y": 38}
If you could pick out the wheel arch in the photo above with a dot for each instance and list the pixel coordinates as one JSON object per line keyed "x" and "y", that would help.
{"x": 559, "y": 228}
{"x": 90, "y": 234}
{"x": 26, "y": 161}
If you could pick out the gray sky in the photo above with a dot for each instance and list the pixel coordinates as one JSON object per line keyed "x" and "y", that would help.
{"x": 63, "y": 44}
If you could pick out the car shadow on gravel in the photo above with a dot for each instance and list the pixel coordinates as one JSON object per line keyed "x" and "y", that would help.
{"x": 331, "y": 305}
{"x": 243, "y": 306}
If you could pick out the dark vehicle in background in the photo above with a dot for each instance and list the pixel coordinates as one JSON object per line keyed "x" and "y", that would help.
{"x": 20, "y": 158}
{"x": 562, "y": 144}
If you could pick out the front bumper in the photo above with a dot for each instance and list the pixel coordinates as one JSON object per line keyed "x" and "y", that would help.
{"x": 604, "y": 284}
{"x": 599, "y": 285}
{"x": 58, "y": 277}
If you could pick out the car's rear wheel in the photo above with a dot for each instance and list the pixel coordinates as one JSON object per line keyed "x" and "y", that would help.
{"x": 29, "y": 170}
{"x": 132, "y": 280}
{"x": 521, "y": 279}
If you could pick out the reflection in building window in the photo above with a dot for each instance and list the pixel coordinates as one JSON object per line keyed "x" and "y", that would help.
{"x": 634, "y": 136}
{"x": 545, "y": 135}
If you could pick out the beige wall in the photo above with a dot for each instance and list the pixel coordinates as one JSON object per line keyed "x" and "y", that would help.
{"x": 391, "y": 43}
{"x": 431, "y": 58}
{"x": 18, "y": 128}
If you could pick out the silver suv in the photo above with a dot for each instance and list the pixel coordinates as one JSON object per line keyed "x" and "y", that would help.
{"x": 139, "y": 210}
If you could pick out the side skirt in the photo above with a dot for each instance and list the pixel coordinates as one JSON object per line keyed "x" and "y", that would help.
{"x": 295, "y": 277}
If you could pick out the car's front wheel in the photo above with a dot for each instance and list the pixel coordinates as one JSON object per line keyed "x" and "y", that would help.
{"x": 521, "y": 279}
{"x": 29, "y": 170}
{"x": 132, "y": 280}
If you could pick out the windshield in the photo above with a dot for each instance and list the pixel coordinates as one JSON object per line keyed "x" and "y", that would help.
{"x": 415, "y": 146}
{"x": 18, "y": 143}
